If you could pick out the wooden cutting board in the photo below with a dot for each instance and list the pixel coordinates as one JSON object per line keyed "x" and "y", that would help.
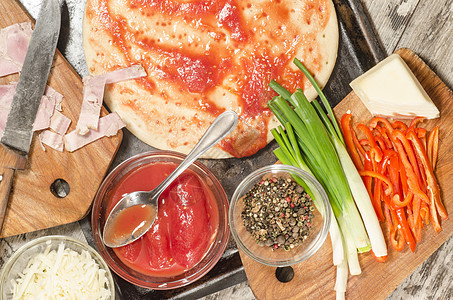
{"x": 315, "y": 277}
{"x": 32, "y": 205}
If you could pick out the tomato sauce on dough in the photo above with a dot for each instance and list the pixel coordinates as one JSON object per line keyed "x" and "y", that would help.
{"x": 185, "y": 226}
{"x": 239, "y": 46}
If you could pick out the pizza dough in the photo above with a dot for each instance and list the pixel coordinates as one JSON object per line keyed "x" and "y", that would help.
{"x": 204, "y": 57}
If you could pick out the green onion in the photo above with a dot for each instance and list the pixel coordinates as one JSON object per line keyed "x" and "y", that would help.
{"x": 363, "y": 202}
{"x": 321, "y": 95}
{"x": 358, "y": 190}
{"x": 313, "y": 141}
{"x": 323, "y": 160}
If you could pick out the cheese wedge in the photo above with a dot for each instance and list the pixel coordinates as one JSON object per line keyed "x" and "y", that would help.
{"x": 391, "y": 89}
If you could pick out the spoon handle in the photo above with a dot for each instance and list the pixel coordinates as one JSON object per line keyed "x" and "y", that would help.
{"x": 219, "y": 129}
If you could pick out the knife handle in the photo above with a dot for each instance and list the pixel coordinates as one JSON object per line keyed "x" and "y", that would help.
{"x": 5, "y": 188}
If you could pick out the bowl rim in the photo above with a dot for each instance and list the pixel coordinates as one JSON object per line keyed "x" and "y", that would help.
{"x": 223, "y": 206}
{"x": 240, "y": 189}
{"x": 63, "y": 238}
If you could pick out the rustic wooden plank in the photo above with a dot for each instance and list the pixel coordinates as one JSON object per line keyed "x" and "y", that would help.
{"x": 390, "y": 19}
{"x": 432, "y": 26}
{"x": 431, "y": 280}
{"x": 420, "y": 25}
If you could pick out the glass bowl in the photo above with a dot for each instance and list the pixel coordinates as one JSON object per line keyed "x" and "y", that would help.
{"x": 268, "y": 254}
{"x": 218, "y": 242}
{"x": 19, "y": 260}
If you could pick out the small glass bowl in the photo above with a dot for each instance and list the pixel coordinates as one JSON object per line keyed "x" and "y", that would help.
{"x": 99, "y": 215}
{"x": 265, "y": 254}
{"x": 19, "y": 260}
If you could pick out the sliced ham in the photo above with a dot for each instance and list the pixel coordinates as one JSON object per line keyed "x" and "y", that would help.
{"x": 52, "y": 139}
{"x": 93, "y": 94}
{"x": 133, "y": 72}
{"x": 108, "y": 126}
{"x": 59, "y": 123}
{"x": 6, "y": 98}
{"x": 56, "y": 95}
{"x": 50, "y": 101}
{"x": 14, "y": 42}
{"x": 45, "y": 112}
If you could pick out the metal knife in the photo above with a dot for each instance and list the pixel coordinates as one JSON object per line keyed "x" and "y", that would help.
{"x": 18, "y": 132}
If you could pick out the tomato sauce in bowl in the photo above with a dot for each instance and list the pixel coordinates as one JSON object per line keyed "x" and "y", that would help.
{"x": 190, "y": 232}
{"x": 185, "y": 226}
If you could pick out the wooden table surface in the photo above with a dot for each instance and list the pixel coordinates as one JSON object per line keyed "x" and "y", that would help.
{"x": 425, "y": 26}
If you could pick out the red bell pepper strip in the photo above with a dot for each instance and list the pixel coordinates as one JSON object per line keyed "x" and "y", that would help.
{"x": 416, "y": 205}
{"x": 433, "y": 216}
{"x": 388, "y": 201}
{"x": 411, "y": 223}
{"x": 395, "y": 234}
{"x": 358, "y": 145}
{"x": 419, "y": 167}
{"x": 389, "y": 190}
{"x": 364, "y": 142}
{"x": 380, "y": 259}
{"x": 398, "y": 203}
{"x": 410, "y": 154}
{"x": 422, "y": 172}
{"x": 402, "y": 221}
{"x": 376, "y": 199}
{"x": 396, "y": 238}
{"x": 393, "y": 170}
{"x": 376, "y": 153}
{"x": 378, "y": 131}
{"x": 424, "y": 212}
{"x": 421, "y": 133}
{"x": 376, "y": 120}
{"x": 381, "y": 143}
{"x": 433, "y": 187}
{"x": 433, "y": 146}
{"x": 415, "y": 121}
{"x": 418, "y": 230}
{"x": 412, "y": 180}
{"x": 399, "y": 125}
{"x": 367, "y": 165}
{"x": 403, "y": 178}
{"x": 348, "y": 133}
{"x": 390, "y": 222}
{"x": 371, "y": 165}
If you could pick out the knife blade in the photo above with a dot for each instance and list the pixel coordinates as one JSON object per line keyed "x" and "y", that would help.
{"x": 18, "y": 132}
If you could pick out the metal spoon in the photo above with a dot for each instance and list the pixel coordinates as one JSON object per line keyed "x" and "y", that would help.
{"x": 219, "y": 129}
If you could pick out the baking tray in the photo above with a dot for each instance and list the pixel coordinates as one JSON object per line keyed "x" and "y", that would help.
{"x": 359, "y": 50}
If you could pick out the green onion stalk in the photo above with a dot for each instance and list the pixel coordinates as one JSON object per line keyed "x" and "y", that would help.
{"x": 311, "y": 140}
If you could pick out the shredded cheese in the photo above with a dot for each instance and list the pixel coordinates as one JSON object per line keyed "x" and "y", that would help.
{"x": 61, "y": 274}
